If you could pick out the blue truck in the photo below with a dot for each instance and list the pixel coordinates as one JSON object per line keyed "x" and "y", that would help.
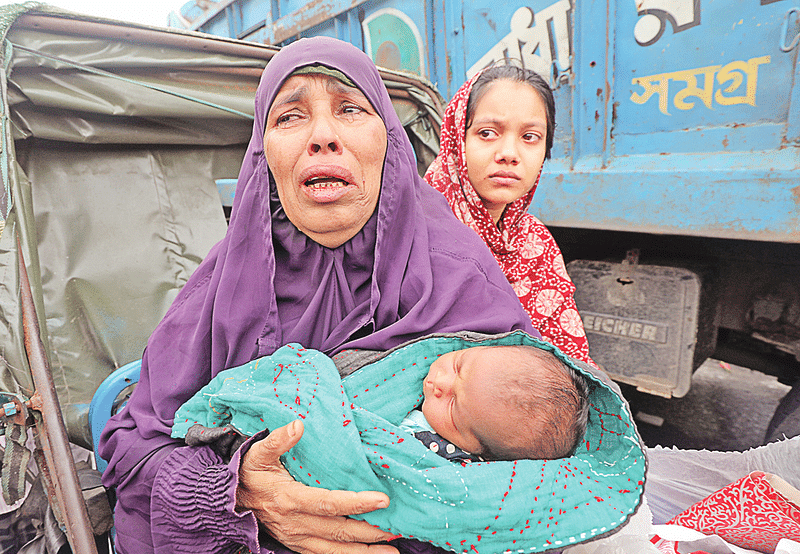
{"x": 673, "y": 187}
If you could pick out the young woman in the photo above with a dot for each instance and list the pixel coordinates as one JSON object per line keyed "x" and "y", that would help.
{"x": 496, "y": 134}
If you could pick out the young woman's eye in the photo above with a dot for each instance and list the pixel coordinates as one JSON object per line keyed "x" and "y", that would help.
{"x": 486, "y": 133}
{"x": 531, "y": 137}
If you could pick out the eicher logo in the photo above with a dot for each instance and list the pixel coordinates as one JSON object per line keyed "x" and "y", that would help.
{"x": 649, "y": 331}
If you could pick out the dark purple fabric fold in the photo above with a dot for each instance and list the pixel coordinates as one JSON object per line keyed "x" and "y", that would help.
{"x": 414, "y": 269}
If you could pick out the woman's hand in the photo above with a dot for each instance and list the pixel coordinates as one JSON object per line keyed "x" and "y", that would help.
{"x": 308, "y": 520}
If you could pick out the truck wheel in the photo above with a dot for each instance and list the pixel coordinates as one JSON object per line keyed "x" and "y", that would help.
{"x": 786, "y": 420}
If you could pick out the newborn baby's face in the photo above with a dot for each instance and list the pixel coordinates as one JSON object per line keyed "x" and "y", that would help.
{"x": 459, "y": 392}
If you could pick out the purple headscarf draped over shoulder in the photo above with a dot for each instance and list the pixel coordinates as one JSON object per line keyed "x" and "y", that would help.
{"x": 414, "y": 269}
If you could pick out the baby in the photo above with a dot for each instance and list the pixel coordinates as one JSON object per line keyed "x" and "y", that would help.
{"x": 498, "y": 400}
{"x": 501, "y": 403}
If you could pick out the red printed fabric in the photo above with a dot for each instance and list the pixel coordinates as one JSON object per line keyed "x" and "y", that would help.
{"x": 748, "y": 513}
{"x": 521, "y": 244}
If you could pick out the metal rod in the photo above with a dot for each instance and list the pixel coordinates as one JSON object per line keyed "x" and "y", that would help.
{"x": 57, "y": 450}
{"x": 170, "y": 38}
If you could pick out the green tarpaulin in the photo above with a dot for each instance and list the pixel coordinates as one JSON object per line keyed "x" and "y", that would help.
{"x": 112, "y": 138}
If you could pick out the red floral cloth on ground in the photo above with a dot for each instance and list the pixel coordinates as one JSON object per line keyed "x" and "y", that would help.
{"x": 521, "y": 244}
{"x": 751, "y": 513}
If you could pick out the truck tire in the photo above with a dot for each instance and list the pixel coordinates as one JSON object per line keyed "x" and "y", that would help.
{"x": 786, "y": 420}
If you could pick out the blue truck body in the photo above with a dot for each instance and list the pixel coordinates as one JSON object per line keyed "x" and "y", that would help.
{"x": 658, "y": 95}
{"x": 677, "y": 139}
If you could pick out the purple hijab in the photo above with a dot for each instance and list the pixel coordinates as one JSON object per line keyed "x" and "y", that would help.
{"x": 414, "y": 269}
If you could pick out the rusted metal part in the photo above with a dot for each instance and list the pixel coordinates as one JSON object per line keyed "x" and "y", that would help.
{"x": 35, "y": 402}
{"x": 14, "y": 410}
{"x": 210, "y": 11}
{"x": 425, "y": 36}
{"x": 311, "y": 14}
{"x": 607, "y": 92}
{"x": 44, "y": 461}
{"x": 55, "y": 444}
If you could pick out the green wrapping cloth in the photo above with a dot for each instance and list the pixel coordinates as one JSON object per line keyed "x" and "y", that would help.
{"x": 352, "y": 442}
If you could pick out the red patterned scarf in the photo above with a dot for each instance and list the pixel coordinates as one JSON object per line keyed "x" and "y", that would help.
{"x": 521, "y": 244}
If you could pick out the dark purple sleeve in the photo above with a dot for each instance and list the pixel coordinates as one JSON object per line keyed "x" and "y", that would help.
{"x": 193, "y": 505}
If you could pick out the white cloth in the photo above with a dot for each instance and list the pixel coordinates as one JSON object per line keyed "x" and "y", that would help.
{"x": 416, "y": 422}
{"x": 677, "y": 479}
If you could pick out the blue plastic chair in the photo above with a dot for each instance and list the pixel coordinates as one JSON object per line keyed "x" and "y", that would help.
{"x": 227, "y": 190}
{"x": 104, "y": 403}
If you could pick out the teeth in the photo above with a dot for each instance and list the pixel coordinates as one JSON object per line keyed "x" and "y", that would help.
{"x": 324, "y": 185}
{"x": 325, "y": 182}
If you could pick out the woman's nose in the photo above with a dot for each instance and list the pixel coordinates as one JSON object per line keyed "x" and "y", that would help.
{"x": 507, "y": 151}
{"x": 324, "y": 138}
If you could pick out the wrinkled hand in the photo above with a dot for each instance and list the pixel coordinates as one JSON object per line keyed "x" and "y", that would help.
{"x": 308, "y": 520}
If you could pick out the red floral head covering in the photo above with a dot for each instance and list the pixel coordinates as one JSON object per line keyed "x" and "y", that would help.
{"x": 448, "y": 174}
{"x": 521, "y": 244}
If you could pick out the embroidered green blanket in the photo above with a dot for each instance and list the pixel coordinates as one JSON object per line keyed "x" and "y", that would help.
{"x": 352, "y": 442}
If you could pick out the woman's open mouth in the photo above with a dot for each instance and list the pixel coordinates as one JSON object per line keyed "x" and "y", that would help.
{"x": 326, "y": 184}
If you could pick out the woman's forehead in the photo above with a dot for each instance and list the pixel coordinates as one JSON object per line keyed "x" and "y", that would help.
{"x": 328, "y": 55}
{"x": 297, "y": 85}
{"x": 298, "y": 88}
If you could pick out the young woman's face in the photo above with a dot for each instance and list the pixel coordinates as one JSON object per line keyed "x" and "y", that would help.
{"x": 506, "y": 143}
{"x": 325, "y": 146}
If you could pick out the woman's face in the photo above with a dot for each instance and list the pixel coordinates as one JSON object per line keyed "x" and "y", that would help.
{"x": 325, "y": 146}
{"x": 506, "y": 143}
